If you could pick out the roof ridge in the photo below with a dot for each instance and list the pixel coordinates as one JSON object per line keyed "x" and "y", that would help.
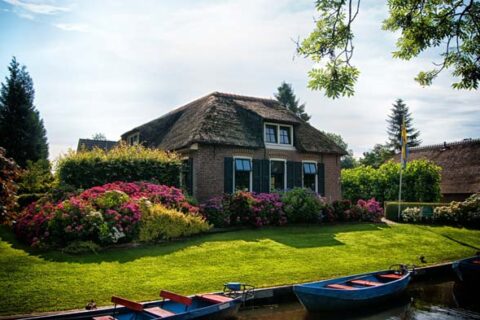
{"x": 242, "y": 97}
{"x": 446, "y": 144}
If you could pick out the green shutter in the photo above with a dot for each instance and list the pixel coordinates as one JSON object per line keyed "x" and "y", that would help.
{"x": 321, "y": 179}
{"x": 265, "y": 185}
{"x": 228, "y": 175}
{"x": 297, "y": 173}
{"x": 189, "y": 176}
{"x": 257, "y": 175}
{"x": 290, "y": 175}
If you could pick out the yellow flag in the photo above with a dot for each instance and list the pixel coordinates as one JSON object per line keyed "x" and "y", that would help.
{"x": 404, "y": 143}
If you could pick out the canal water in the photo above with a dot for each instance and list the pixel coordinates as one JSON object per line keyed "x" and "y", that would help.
{"x": 445, "y": 300}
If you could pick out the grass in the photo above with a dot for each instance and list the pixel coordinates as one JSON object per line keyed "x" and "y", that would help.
{"x": 33, "y": 282}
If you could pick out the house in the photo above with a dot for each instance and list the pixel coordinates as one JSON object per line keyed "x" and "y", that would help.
{"x": 460, "y": 163}
{"x": 89, "y": 144}
{"x": 232, "y": 142}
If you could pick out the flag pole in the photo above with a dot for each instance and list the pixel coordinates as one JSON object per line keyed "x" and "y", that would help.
{"x": 400, "y": 188}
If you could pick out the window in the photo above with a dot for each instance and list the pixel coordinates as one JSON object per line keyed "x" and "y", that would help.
{"x": 243, "y": 174}
{"x": 271, "y": 134}
{"x": 279, "y": 136}
{"x": 133, "y": 139}
{"x": 310, "y": 175}
{"x": 285, "y": 135}
{"x": 277, "y": 175}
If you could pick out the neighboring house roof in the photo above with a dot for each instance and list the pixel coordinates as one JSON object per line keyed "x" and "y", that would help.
{"x": 460, "y": 162}
{"x": 89, "y": 144}
{"x": 228, "y": 119}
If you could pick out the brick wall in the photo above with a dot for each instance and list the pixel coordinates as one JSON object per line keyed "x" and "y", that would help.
{"x": 208, "y": 167}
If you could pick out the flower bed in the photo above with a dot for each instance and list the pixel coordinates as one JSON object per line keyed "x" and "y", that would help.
{"x": 295, "y": 206}
{"x": 105, "y": 214}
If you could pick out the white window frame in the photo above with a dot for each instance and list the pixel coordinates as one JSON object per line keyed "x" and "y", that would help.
{"x": 284, "y": 173}
{"x": 134, "y": 138}
{"x": 316, "y": 174}
{"x": 278, "y": 145}
{"x": 250, "y": 187}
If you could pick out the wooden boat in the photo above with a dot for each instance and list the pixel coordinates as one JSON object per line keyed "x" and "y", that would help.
{"x": 468, "y": 270}
{"x": 353, "y": 291}
{"x": 172, "y": 307}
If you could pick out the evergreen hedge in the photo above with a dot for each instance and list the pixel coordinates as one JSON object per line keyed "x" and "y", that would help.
{"x": 421, "y": 182}
{"x": 86, "y": 169}
{"x": 426, "y": 208}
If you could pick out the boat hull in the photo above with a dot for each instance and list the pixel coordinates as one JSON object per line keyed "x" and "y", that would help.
{"x": 317, "y": 297}
{"x": 467, "y": 271}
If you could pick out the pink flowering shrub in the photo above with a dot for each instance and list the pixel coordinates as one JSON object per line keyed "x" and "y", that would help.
{"x": 244, "y": 208}
{"x": 105, "y": 214}
{"x": 372, "y": 210}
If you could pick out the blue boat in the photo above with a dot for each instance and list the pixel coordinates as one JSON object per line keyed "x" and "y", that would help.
{"x": 353, "y": 291}
{"x": 172, "y": 307}
{"x": 468, "y": 270}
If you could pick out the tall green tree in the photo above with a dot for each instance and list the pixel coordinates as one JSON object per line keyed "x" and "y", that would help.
{"x": 453, "y": 26}
{"x": 21, "y": 128}
{"x": 99, "y": 136}
{"x": 394, "y": 129}
{"x": 377, "y": 156}
{"x": 347, "y": 161}
{"x": 287, "y": 97}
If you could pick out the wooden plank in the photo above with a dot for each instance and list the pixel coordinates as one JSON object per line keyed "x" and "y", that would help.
{"x": 176, "y": 297}
{"x": 339, "y": 286}
{"x": 132, "y": 305}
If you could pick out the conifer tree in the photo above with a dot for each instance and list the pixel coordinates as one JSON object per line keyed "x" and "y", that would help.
{"x": 288, "y": 99}
{"x": 22, "y": 131}
{"x": 394, "y": 129}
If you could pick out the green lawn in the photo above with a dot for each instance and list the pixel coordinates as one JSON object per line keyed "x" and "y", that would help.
{"x": 31, "y": 282}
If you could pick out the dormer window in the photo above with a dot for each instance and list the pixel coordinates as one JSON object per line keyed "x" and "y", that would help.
{"x": 280, "y": 135}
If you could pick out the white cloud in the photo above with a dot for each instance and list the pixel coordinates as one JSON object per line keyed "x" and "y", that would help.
{"x": 72, "y": 27}
{"x": 37, "y": 7}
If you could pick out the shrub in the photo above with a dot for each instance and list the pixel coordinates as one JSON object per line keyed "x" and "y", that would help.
{"x": 216, "y": 212}
{"x": 105, "y": 214}
{"x": 86, "y": 169}
{"x": 412, "y": 215}
{"x": 37, "y": 178}
{"x": 341, "y": 210}
{"x": 421, "y": 182}
{"x": 267, "y": 209}
{"x": 9, "y": 172}
{"x": 466, "y": 213}
{"x": 303, "y": 205}
{"x": 240, "y": 207}
{"x": 161, "y": 223}
{"x": 372, "y": 211}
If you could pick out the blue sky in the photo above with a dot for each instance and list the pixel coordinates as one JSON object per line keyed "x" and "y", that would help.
{"x": 108, "y": 66}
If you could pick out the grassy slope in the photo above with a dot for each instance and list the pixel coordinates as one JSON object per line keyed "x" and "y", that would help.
{"x": 54, "y": 281}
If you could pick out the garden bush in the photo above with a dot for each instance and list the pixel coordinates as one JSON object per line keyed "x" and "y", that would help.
{"x": 9, "y": 172}
{"x": 303, "y": 205}
{"x": 421, "y": 182}
{"x": 215, "y": 210}
{"x": 466, "y": 213}
{"x": 413, "y": 214}
{"x": 105, "y": 214}
{"x": 426, "y": 208}
{"x": 86, "y": 169}
{"x": 371, "y": 210}
{"x": 161, "y": 223}
{"x": 37, "y": 178}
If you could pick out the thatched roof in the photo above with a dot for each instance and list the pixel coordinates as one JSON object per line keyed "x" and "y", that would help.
{"x": 232, "y": 120}
{"x": 89, "y": 144}
{"x": 460, "y": 162}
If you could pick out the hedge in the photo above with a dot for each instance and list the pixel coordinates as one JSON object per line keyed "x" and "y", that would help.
{"x": 86, "y": 169}
{"x": 427, "y": 208}
{"x": 421, "y": 182}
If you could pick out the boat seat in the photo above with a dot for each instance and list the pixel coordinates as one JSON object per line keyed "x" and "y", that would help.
{"x": 132, "y": 305}
{"x": 476, "y": 261}
{"x": 104, "y": 318}
{"x": 366, "y": 283}
{"x": 392, "y": 276}
{"x": 340, "y": 286}
{"x": 159, "y": 312}
{"x": 214, "y": 298}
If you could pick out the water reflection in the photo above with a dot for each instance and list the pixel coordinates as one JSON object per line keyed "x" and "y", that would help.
{"x": 422, "y": 301}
